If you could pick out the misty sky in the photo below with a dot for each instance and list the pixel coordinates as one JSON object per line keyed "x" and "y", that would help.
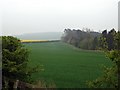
{"x": 30, "y": 16}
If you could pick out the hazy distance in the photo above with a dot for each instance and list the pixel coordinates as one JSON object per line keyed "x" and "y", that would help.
{"x": 33, "y": 16}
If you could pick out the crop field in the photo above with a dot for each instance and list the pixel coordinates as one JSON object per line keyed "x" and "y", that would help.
{"x": 33, "y": 41}
{"x": 65, "y": 65}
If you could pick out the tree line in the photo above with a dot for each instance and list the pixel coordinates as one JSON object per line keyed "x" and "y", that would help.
{"x": 89, "y": 40}
{"x": 81, "y": 38}
{"x": 109, "y": 39}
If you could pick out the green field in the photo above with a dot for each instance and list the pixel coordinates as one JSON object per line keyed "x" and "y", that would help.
{"x": 65, "y": 65}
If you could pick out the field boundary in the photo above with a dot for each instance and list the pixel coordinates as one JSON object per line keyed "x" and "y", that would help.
{"x": 79, "y": 49}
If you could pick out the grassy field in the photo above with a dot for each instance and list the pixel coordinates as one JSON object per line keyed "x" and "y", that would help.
{"x": 66, "y": 66}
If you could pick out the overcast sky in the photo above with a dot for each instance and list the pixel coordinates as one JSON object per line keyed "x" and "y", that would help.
{"x": 30, "y": 16}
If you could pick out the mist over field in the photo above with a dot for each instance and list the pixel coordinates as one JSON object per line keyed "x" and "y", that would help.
{"x": 41, "y": 36}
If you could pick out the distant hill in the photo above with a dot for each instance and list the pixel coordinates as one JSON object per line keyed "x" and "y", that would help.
{"x": 41, "y": 36}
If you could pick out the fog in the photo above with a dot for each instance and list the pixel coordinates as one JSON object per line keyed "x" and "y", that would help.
{"x": 31, "y": 16}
